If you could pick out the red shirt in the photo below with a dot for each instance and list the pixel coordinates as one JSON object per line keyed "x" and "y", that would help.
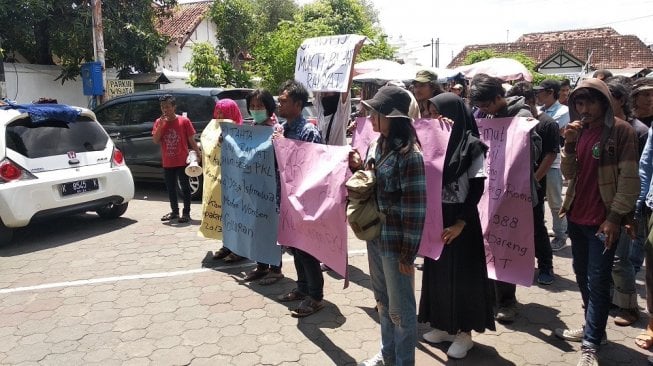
{"x": 588, "y": 207}
{"x": 174, "y": 141}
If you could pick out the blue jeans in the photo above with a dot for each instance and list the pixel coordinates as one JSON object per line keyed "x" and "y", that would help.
{"x": 395, "y": 298}
{"x": 310, "y": 280}
{"x": 170, "y": 175}
{"x": 624, "y": 270}
{"x": 554, "y": 198}
{"x": 593, "y": 270}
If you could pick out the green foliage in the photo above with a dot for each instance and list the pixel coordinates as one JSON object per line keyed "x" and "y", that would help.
{"x": 60, "y": 31}
{"x": 236, "y": 25}
{"x": 235, "y": 78}
{"x": 275, "y": 52}
{"x": 270, "y": 12}
{"x": 204, "y": 66}
{"x": 480, "y": 55}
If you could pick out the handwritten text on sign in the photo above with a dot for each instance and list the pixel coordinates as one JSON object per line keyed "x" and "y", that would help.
{"x": 249, "y": 193}
{"x": 313, "y": 200}
{"x": 434, "y": 137}
{"x": 211, "y": 226}
{"x": 324, "y": 63}
{"x": 506, "y": 209}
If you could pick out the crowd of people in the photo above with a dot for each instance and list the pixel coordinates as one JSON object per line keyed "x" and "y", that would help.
{"x": 596, "y": 139}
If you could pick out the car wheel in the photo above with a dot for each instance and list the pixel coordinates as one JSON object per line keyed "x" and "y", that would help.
{"x": 195, "y": 187}
{"x": 112, "y": 211}
{"x": 6, "y": 234}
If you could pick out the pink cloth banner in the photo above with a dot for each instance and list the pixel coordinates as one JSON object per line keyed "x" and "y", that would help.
{"x": 363, "y": 135}
{"x": 313, "y": 200}
{"x": 434, "y": 137}
{"x": 506, "y": 207}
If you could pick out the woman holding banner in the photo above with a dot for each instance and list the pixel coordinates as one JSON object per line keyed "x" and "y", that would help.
{"x": 227, "y": 109}
{"x": 455, "y": 289}
{"x": 401, "y": 196}
{"x": 261, "y": 106}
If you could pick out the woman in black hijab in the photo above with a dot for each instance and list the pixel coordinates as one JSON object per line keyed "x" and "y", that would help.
{"x": 455, "y": 293}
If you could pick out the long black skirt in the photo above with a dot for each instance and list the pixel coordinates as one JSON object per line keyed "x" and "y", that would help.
{"x": 456, "y": 294}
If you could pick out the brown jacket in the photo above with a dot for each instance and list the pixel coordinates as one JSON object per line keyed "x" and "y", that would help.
{"x": 618, "y": 174}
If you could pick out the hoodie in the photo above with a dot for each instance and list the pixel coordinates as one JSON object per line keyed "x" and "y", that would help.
{"x": 618, "y": 177}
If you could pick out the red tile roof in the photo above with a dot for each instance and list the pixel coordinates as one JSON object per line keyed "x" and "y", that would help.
{"x": 183, "y": 21}
{"x": 610, "y": 49}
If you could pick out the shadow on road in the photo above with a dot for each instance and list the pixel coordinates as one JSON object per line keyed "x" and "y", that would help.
{"x": 61, "y": 231}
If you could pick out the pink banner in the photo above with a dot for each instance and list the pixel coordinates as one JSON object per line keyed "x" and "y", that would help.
{"x": 434, "y": 136}
{"x": 313, "y": 200}
{"x": 363, "y": 135}
{"x": 506, "y": 208}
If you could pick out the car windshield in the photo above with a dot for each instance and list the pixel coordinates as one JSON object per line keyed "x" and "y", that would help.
{"x": 37, "y": 140}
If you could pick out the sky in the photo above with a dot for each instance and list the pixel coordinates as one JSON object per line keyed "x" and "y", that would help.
{"x": 466, "y": 22}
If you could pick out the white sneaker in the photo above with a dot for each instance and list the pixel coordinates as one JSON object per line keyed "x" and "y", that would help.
{"x": 377, "y": 360}
{"x": 460, "y": 345}
{"x": 438, "y": 336}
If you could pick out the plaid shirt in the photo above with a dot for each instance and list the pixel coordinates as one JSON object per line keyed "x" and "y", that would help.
{"x": 301, "y": 130}
{"x": 401, "y": 195}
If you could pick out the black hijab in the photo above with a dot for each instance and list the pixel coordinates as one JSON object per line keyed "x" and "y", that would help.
{"x": 464, "y": 144}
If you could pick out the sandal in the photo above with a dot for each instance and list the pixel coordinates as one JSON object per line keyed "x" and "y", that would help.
{"x": 293, "y": 295}
{"x": 256, "y": 274}
{"x": 644, "y": 340}
{"x": 270, "y": 278}
{"x": 183, "y": 219}
{"x": 170, "y": 216}
{"x": 233, "y": 257}
{"x": 307, "y": 307}
{"x": 221, "y": 253}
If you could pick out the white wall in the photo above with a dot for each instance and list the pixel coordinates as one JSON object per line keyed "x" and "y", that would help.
{"x": 175, "y": 58}
{"x": 27, "y": 82}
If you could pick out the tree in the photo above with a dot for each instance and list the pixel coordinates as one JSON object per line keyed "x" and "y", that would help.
{"x": 59, "y": 32}
{"x": 204, "y": 66}
{"x": 275, "y": 54}
{"x": 236, "y": 26}
{"x": 269, "y": 13}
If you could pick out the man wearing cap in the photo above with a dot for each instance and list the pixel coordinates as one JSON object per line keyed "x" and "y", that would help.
{"x": 425, "y": 86}
{"x": 547, "y": 94}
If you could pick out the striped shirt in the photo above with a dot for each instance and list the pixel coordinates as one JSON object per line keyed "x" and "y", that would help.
{"x": 401, "y": 196}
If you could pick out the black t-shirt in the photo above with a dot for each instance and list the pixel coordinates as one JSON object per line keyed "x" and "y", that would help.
{"x": 548, "y": 130}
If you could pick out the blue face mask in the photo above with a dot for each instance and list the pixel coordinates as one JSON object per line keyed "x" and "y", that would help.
{"x": 260, "y": 115}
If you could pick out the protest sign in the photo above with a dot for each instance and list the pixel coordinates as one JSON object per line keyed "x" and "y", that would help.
{"x": 249, "y": 193}
{"x": 211, "y": 226}
{"x": 434, "y": 137}
{"x": 313, "y": 200}
{"x": 506, "y": 209}
{"x": 325, "y": 63}
{"x": 363, "y": 135}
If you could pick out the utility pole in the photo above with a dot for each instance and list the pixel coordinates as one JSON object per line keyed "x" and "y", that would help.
{"x": 432, "y": 56}
{"x": 437, "y": 52}
{"x": 3, "y": 83}
{"x": 98, "y": 43}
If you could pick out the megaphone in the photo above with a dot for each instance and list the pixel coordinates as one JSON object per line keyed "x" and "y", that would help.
{"x": 193, "y": 169}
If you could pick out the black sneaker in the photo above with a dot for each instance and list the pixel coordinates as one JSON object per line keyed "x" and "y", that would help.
{"x": 170, "y": 216}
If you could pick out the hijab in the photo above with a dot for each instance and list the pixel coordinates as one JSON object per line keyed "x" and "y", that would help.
{"x": 464, "y": 143}
{"x": 229, "y": 110}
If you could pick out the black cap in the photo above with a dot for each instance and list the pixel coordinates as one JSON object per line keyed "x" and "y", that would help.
{"x": 548, "y": 84}
{"x": 390, "y": 101}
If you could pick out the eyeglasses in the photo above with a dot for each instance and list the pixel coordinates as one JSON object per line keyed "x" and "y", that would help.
{"x": 166, "y": 98}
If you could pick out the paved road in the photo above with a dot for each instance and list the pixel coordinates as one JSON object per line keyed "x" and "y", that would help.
{"x": 134, "y": 291}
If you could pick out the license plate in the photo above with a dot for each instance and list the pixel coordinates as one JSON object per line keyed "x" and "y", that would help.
{"x": 79, "y": 186}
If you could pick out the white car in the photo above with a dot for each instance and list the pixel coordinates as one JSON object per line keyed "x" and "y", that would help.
{"x": 57, "y": 160}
